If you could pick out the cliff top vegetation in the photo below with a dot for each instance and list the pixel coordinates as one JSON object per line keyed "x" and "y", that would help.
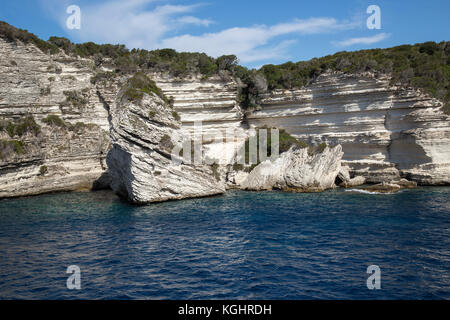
{"x": 424, "y": 66}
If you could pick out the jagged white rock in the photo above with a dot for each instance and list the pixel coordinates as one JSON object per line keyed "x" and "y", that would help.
{"x": 296, "y": 170}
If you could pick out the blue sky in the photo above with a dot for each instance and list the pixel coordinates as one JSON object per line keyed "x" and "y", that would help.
{"x": 258, "y": 32}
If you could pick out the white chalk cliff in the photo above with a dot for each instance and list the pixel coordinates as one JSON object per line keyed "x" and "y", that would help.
{"x": 142, "y": 165}
{"x": 34, "y": 84}
{"x": 386, "y": 132}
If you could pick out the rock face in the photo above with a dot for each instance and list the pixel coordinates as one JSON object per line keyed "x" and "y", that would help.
{"x": 386, "y": 132}
{"x": 140, "y": 163}
{"x": 297, "y": 170}
{"x": 213, "y": 103}
{"x": 59, "y": 155}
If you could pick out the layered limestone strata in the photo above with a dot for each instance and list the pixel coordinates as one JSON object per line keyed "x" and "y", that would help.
{"x": 142, "y": 163}
{"x": 208, "y": 108}
{"x": 386, "y": 132}
{"x": 67, "y": 157}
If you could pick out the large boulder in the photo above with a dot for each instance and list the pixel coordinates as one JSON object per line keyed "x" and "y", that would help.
{"x": 144, "y": 131}
{"x": 297, "y": 170}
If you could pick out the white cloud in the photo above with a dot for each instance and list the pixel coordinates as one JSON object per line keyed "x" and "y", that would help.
{"x": 136, "y": 23}
{"x": 148, "y": 24}
{"x": 250, "y": 43}
{"x": 195, "y": 21}
{"x": 363, "y": 40}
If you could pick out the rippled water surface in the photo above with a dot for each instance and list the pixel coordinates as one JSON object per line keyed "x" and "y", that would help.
{"x": 237, "y": 246}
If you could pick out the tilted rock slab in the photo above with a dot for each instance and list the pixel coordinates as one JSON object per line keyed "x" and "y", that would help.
{"x": 140, "y": 162}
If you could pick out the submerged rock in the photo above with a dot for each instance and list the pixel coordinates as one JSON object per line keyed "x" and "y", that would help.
{"x": 406, "y": 184}
{"x": 144, "y": 132}
{"x": 298, "y": 171}
{"x": 392, "y": 187}
{"x": 384, "y": 188}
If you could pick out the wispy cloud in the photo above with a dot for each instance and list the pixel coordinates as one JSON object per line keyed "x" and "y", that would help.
{"x": 254, "y": 43}
{"x": 150, "y": 24}
{"x": 362, "y": 40}
{"x": 136, "y": 23}
{"x": 195, "y": 21}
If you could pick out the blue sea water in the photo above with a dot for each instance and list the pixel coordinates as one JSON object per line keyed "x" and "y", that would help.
{"x": 241, "y": 245}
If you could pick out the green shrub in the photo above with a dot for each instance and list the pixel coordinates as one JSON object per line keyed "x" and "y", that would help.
{"x": 77, "y": 127}
{"x": 54, "y": 120}
{"x": 43, "y": 170}
{"x": 11, "y": 147}
{"x": 13, "y": 34}
{"x": 166, "y": 143}
{"x": 447, "y": 108}
{"x": 45, "y": 91}
{"x": 20, "y": 127}
{"x": 75, "y": 99}
{"x": 19, "y": 146}
{"x": 140, "y": 84}
{"x": 321, "y": 147}
{"x": 103, "y": 77}
{"x": 176, "y": 115}
{"x": 227, "y": 62}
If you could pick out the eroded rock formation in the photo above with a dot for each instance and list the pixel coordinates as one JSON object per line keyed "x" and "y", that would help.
{"x": 297, "y": 170}
{"x": 141, "y": 164}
